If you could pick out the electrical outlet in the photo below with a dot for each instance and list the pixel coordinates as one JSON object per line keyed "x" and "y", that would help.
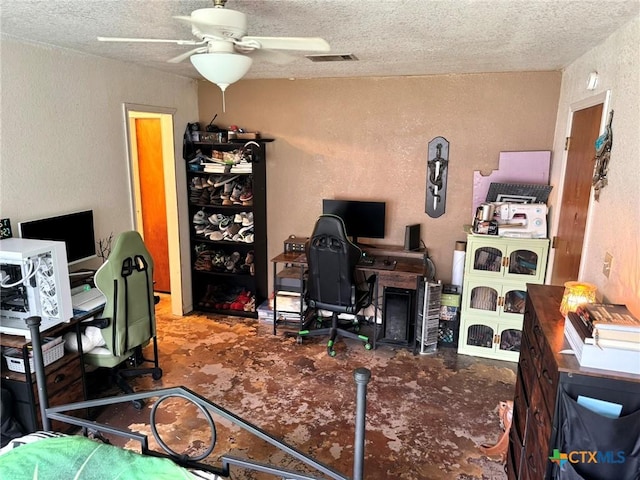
{"x": 606, "y": 266}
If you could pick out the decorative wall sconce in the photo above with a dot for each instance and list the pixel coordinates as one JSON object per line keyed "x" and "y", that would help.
{"x": 575, "y": 294}
{"x": 437, "y": 163}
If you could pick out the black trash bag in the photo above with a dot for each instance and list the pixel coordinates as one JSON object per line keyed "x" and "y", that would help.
{"x": 613, "y": 442}
{"x": 9, "y": 426}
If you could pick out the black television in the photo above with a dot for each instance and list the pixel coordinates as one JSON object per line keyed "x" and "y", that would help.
{"x": 74, "y": 229}
{"x": 361, "y": 219}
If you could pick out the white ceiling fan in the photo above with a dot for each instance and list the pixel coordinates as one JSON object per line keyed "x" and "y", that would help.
{"x": 224, "y": 51}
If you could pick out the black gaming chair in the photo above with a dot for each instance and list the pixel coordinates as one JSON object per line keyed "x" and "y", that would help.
{"x": 332, "y": 259}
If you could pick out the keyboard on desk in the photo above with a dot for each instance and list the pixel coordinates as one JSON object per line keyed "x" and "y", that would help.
{"x": 87, "y": 300}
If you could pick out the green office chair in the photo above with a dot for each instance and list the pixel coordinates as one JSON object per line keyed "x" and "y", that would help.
{"x": 126, "y": 279}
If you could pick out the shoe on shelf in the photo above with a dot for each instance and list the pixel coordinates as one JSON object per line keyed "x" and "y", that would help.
{"x": 225, "y": 222}
{"x": 247, "y": 220}
{"x": 215, "y": 235}
{"x": 213, "y": 179}
{"x": 214, "y": 196}
{"x": 200, "y": 218}
{"x": 227, "y": 190}
{"x": 225, "y": 179}
{"x": 215, "y": 219}
{"x": 235, "y": 194}
{"x": 250, "y": 306}
{"x": 247, "y": 194}
{"x": 232, "y": 261}
{"x": 248, "y": 260}
{"x": 233, "y": 229}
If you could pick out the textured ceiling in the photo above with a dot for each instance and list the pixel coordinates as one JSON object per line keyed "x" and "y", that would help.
{"x": 389, "y": 37}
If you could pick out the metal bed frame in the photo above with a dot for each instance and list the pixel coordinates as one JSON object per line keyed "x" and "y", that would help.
{"x": 361, "y": 377}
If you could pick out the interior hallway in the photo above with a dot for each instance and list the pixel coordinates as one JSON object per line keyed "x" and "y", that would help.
{"x": 426, "y": 414}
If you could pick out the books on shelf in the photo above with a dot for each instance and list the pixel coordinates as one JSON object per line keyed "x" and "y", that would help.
{"x": 591, "y": 353}
{"x": 265, "y": 314}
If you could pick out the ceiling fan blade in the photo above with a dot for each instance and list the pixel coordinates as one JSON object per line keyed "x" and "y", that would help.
{"x": 314, "y": 44}
{"x": 186, "y": 55}
{"x": 199, "y": 28}
{"x": 272, "y": 56}
{"x": 152, "y": 40}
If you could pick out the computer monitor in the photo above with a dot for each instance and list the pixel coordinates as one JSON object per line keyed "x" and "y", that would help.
{"x": 361, "y": 219}
{"x": 74, "y": 229}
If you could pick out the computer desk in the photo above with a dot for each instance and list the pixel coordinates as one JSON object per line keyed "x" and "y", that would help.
{"x": 408, "y": 271}
{"x": 65, "y": 377}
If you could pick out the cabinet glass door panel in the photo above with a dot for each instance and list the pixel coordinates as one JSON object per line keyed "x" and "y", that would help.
{"x": 510, "y": 340}
{"x": 514, "y": 301}
{"x": 484, "y": 298}
{"x": 487, "y": 259}
{"x": 480, "y": 335}
{"x": 523, "y": 262}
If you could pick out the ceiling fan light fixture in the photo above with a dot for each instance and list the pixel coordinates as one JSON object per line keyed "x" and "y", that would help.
{"x": 220, "y": 68}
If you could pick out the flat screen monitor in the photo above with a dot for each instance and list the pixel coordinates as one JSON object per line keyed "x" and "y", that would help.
{"x": 361, "y": 219}
{"x": 74, "y": 229}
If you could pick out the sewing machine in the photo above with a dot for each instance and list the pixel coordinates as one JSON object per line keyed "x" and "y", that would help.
{"x": 522, "y": 220}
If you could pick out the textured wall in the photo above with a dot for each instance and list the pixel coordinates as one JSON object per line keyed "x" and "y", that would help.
{"x": 367, "y": 139}
{"x": 63, "y": 146}
{"x": 614, "y": 220}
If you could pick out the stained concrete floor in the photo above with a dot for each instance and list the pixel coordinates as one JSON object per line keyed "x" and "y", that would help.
{"x": 427, "y": 415}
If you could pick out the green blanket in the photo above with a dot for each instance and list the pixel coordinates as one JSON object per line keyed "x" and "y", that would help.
{"x": 77, "y": 457}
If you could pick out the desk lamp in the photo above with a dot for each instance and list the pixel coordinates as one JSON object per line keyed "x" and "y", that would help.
{"x": 575, "y": 294}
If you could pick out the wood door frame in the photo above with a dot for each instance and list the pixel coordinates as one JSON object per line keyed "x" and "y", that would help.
{"x": 165, "y": 115}
{"x": 603, "y": 98}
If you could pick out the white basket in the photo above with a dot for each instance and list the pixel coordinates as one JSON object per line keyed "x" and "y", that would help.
{"x": 50, "y": 354}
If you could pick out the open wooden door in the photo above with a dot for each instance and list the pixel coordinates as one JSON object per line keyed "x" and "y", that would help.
{"x": 152, "y": 195}
{"x": 576, "y": 193}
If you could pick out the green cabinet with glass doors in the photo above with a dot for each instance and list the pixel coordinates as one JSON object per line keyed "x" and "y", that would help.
{"x": 494, "y": 292}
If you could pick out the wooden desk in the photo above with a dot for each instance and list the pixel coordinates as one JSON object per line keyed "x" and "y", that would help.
{"x": 65, "y": 377}
{"x": 409, "y": 270}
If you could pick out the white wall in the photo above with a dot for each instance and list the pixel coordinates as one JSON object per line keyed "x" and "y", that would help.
{"x": 63, "y": 144}
{"x": 614, "y": 223}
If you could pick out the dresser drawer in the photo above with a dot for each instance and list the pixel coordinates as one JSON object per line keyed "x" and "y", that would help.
{"x": 548, "y": 379}
{"x": 69, "y": 370}
{"x": 537, "y": 437}
{"x": 535, "y": 457}
{"x": 514, "y": 456}
{"x": 520, "y": 409}
{"x": 534, "y": 349}
{"x": 528, "y": 364}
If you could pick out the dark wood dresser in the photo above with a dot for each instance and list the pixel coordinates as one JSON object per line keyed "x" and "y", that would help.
{"x": 544, "y": 377}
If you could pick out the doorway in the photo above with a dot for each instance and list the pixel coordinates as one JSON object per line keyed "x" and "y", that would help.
{"x": 585, "y": 124}
{"x": 154, "y": 196}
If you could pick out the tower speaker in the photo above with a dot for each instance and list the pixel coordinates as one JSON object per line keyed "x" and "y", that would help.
{"x": 412, "y": 237}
